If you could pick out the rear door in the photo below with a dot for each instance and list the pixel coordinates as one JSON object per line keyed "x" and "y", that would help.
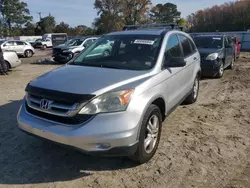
{"x": 20, "y": 46}
{"x": 229, "y": 51}
{"x": 191, "y": 57}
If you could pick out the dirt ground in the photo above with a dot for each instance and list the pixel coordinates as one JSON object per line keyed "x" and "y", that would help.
{"x": 202, "y": 145}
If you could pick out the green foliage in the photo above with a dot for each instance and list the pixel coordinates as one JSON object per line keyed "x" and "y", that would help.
{"x": 165, "y": 13}
{"x": 14, "y": 13}
{"x": 232, "y": 16}
{"x": 46, "y": 25}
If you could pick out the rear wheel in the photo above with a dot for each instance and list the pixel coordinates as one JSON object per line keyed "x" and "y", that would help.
{"x": 149, "y": 135}
{"x": 44, "y": 46}
{"x": 192, "y": 98}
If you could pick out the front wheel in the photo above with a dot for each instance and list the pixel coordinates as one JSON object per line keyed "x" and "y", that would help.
{"x": 106, "y": 53}
{"x": 28, "y": 53}
{"x": 220, "y": 71}
{"x": 150, "y": 133}
{"x": 192, "y": 98}
{"x": 231, "y": 66}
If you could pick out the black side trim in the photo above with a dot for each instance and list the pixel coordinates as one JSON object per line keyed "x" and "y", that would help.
{"x": 58, "y": 95}
{"x": 124, "y": 151}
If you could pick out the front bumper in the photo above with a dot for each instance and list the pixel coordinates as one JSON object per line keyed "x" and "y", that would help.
{"x": 106, "y": 134}
{"x": 210, "y": 68}
{"x": 63, "y": 57}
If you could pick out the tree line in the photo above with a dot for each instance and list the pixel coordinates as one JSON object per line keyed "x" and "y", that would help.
{"x": 15, "y": 19}
{"x": 232, "y": 16}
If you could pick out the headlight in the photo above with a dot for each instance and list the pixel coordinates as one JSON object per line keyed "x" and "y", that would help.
{"x": 108, "y": 102}
{"x": 212, "y": 57}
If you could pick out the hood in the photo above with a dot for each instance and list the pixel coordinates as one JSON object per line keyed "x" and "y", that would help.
{"x": 207, "y": 51}
{"x": 64, "y": 47}
{"x": 89, "y": 80}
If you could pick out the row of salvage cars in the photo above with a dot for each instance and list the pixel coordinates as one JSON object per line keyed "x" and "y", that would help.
{"x": 218, "y": 52}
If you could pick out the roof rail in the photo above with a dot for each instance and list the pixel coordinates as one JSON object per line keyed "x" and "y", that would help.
{"x": 153, "y": 26}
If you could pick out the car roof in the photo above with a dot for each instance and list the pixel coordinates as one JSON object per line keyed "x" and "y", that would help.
{"x": 217, "y": 35}
{"x": 140, "y": 32}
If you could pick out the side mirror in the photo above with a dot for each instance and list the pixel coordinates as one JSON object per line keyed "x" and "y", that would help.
{"x": 174, "y": 61}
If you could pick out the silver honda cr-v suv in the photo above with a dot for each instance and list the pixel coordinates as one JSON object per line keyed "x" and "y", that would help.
{"x": 115, "y": 104}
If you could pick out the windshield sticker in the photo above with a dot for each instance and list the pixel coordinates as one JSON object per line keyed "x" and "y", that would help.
{"x": 148, "y": 42}
{"x": 216, "y": 38}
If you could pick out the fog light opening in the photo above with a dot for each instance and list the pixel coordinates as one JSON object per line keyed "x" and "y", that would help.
{"x": 103, "y": 146}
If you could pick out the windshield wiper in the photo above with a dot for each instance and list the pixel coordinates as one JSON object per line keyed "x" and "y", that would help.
{"x": 96, "y": 65}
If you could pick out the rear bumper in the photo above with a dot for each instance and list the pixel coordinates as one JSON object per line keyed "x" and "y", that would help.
{"x": 210, "y": 68}
{"x": 16, "y": 63}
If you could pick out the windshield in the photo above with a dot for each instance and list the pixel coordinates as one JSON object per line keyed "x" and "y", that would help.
{"x": 208, "y": 42}
{"x": 74, "y": 42}
{"x": 133, "y": 52}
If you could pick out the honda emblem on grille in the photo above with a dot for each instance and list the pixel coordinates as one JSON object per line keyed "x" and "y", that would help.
{"x": 45, "y": 104}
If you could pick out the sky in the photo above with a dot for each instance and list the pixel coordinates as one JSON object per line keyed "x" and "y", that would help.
{"x": 82, "y": 12}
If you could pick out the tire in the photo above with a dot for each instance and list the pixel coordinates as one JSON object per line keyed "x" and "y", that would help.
{"x": 6, "y": 66}
{"x": 144, "y": 153}
{"x": 28, "y": 53}
{"x": 220, "y": 71}
{"x": 231, "y": 66}
{"x": 106, "y": 53}
{"x": 192, "y": 98}
{"x": 44, "y": 46}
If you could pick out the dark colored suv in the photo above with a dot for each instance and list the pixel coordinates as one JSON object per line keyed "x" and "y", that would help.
{"x": 217, "y": 54}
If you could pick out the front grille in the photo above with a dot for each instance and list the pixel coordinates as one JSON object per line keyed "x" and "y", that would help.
{"x": 54, "y": 107}
{"x": 77, "y": 119}
{"x": 203, "y": 57}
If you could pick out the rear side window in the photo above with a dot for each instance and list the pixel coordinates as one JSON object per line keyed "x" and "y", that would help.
{"x": 19, "y": 43}
{"x": 193, "y": 47}
{"x": 186, "y": 46}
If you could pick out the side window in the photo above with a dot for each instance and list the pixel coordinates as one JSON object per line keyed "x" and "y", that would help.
{"x": 19, "y": 43}
{"x": 225, "y": 42}
{"x": 10, "y": 43}
{"x": 193, "y": 47}
{"x": 186, "y": 46}
{"x": 230, "y": 41}
{"x": 88, "y": 42}
{"x": 173, "y": 48}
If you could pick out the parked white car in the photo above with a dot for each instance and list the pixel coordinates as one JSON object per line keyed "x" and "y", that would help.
{"x": 11, "y": 59}
{"x": 20, "y": 47}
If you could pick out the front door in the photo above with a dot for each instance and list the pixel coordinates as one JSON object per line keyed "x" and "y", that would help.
{"x": 174, "y": 78}
{"x": 229, "y": 51}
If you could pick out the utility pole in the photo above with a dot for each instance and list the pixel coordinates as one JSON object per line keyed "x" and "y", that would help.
{"x": 39, "y": 13}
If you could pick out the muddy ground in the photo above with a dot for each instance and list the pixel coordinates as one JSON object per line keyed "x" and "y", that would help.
{"x": 202, "y": 145}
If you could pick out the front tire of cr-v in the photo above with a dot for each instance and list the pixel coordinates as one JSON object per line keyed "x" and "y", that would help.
{"x": 149, "y": 135}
